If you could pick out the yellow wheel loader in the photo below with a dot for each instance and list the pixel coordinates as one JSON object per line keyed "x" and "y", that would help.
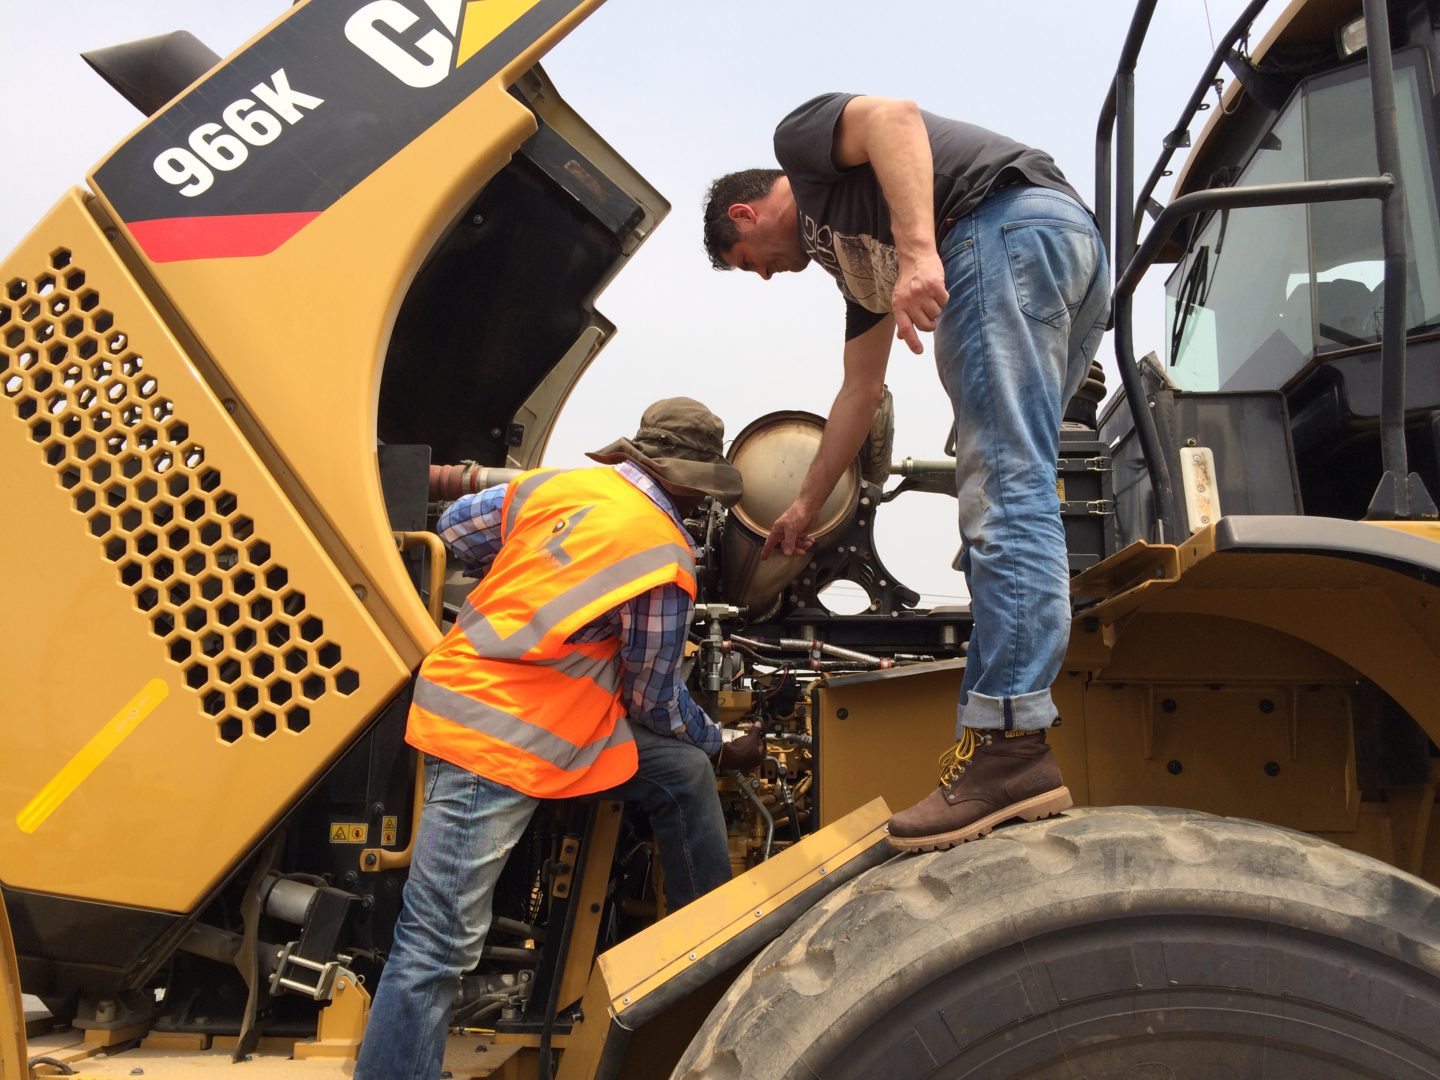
{"x": 349, "y": 272}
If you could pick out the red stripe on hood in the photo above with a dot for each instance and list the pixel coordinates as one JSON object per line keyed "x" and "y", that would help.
{"x": 228, "y": 237}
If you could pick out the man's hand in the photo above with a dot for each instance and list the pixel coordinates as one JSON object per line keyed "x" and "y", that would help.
{"x": 743, "y": 753}
{"x": 919, "y": 297}
{"x": 789, "y": 531}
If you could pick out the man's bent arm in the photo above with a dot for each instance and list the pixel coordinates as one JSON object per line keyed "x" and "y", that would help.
{"x": 653, "y": 630}
{"x": 849, "y": 423}
{"x": 470, "y": 527}
{"x": 890, "y": 135}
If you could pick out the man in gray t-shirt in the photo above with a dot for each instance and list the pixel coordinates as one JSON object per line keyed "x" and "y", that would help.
{"x": 929, "y": 224}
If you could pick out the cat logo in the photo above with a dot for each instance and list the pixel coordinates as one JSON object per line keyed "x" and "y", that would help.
{"x": 422, "y": 50}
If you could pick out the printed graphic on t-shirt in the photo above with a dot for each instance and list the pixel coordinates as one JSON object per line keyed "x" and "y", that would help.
{"x": 865, "y": 267}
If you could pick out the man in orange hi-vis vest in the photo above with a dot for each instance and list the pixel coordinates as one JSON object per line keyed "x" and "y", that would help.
{"x": 561, "y": 677}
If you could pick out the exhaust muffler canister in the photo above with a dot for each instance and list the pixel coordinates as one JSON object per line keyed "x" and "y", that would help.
{"x": 773, "y": 454}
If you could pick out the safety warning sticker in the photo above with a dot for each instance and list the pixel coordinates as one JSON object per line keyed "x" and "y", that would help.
{"x": 349, "y": 832}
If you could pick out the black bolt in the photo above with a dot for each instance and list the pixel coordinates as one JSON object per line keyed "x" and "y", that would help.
{"x": 1168, "y": 705}
{"x": 1174, "y": 768}
{"x": 594, "y": 909}
{"x": 841, "y": 714}
{"x": 350, "y": 877}
{"x": 1266, "y": 705}
{"x": 371, "y": 860}
{"x": 1272, "y": 769}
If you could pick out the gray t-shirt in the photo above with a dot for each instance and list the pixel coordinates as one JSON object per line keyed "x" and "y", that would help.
{"x": 844, "y": 221}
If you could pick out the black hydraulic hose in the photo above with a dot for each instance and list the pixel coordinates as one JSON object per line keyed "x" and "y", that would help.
{"x": 54, "y": 1063}
{"x": 787, "y": 797}
{"x": 1393, "y": 457}
{"x": 510, "y": 952}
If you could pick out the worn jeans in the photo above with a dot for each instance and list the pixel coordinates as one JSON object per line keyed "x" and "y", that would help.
{"x": 675, "y": 786}
{"x": 1029, "y": 295}
{"x": 467, "y": 829}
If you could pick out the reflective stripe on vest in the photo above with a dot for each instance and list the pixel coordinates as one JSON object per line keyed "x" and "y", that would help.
{"x": 488, "y": 642}
{"x": 504, "y": 694}
{"x": 498, "y": 724}
{"x": 604, "y": 672}
{"x": 526, "y": 485}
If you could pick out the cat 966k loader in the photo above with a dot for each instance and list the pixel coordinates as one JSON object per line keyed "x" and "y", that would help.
{"x": 206, "y": 804}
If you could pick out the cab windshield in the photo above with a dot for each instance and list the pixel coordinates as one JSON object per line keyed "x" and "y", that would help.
{"x": 1262, "y": 291}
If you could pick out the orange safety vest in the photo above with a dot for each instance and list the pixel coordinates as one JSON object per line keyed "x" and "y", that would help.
{"x": 504, "y": 695}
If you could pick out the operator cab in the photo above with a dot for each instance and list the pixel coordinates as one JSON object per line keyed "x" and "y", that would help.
{"x": 1275, "y": 313}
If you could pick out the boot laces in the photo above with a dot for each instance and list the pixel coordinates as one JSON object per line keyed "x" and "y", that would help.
{"x": 953, "y": 761}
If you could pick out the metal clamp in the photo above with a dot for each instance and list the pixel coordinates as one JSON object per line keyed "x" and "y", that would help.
{"x": 288, "y": 964}
{"x": 564, "y": 869}
{"x": 1087, "y": 506}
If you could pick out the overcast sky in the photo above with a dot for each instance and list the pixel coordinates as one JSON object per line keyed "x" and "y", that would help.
{"x": 686, "y": 91}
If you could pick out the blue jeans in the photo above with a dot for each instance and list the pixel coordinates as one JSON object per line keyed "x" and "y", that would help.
{"x": 467, "y": 830}
{"x": 1029, "y": 295}
{"x": 675, "y": 786}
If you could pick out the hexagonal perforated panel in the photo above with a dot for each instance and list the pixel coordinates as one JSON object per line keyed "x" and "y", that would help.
{"x": 236, "y": 627}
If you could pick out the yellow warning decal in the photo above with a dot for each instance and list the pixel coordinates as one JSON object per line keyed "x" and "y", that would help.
{"x": 389, "y": 827}
{"x": 104, "y": 743}
{"x": 484, "y": 20}
{"x": 1060, "y": 488}
{"x": 349, "y": 832}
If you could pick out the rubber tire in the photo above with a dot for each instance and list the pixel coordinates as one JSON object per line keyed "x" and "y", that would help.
{"x": 1125, "y": 942}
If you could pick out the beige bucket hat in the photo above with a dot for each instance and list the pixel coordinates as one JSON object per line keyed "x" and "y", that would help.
{"x": 681, "y": 444}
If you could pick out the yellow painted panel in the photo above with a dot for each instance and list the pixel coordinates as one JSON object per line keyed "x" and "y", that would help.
{"x": 642, "y": 964}
{"x": 104, "y": 743}
{"x": 484, "y": 20}
{"x": 298, "y": 336}
{"x": 883, "y": 734}
{"x": 1272, "y": 753}
{"x": 153, "y": 547}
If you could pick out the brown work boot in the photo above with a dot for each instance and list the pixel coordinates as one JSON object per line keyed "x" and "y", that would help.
{"x": 987, "y": 778}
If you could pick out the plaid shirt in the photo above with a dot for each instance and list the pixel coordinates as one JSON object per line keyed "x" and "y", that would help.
{"x": 652, "y": 627}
